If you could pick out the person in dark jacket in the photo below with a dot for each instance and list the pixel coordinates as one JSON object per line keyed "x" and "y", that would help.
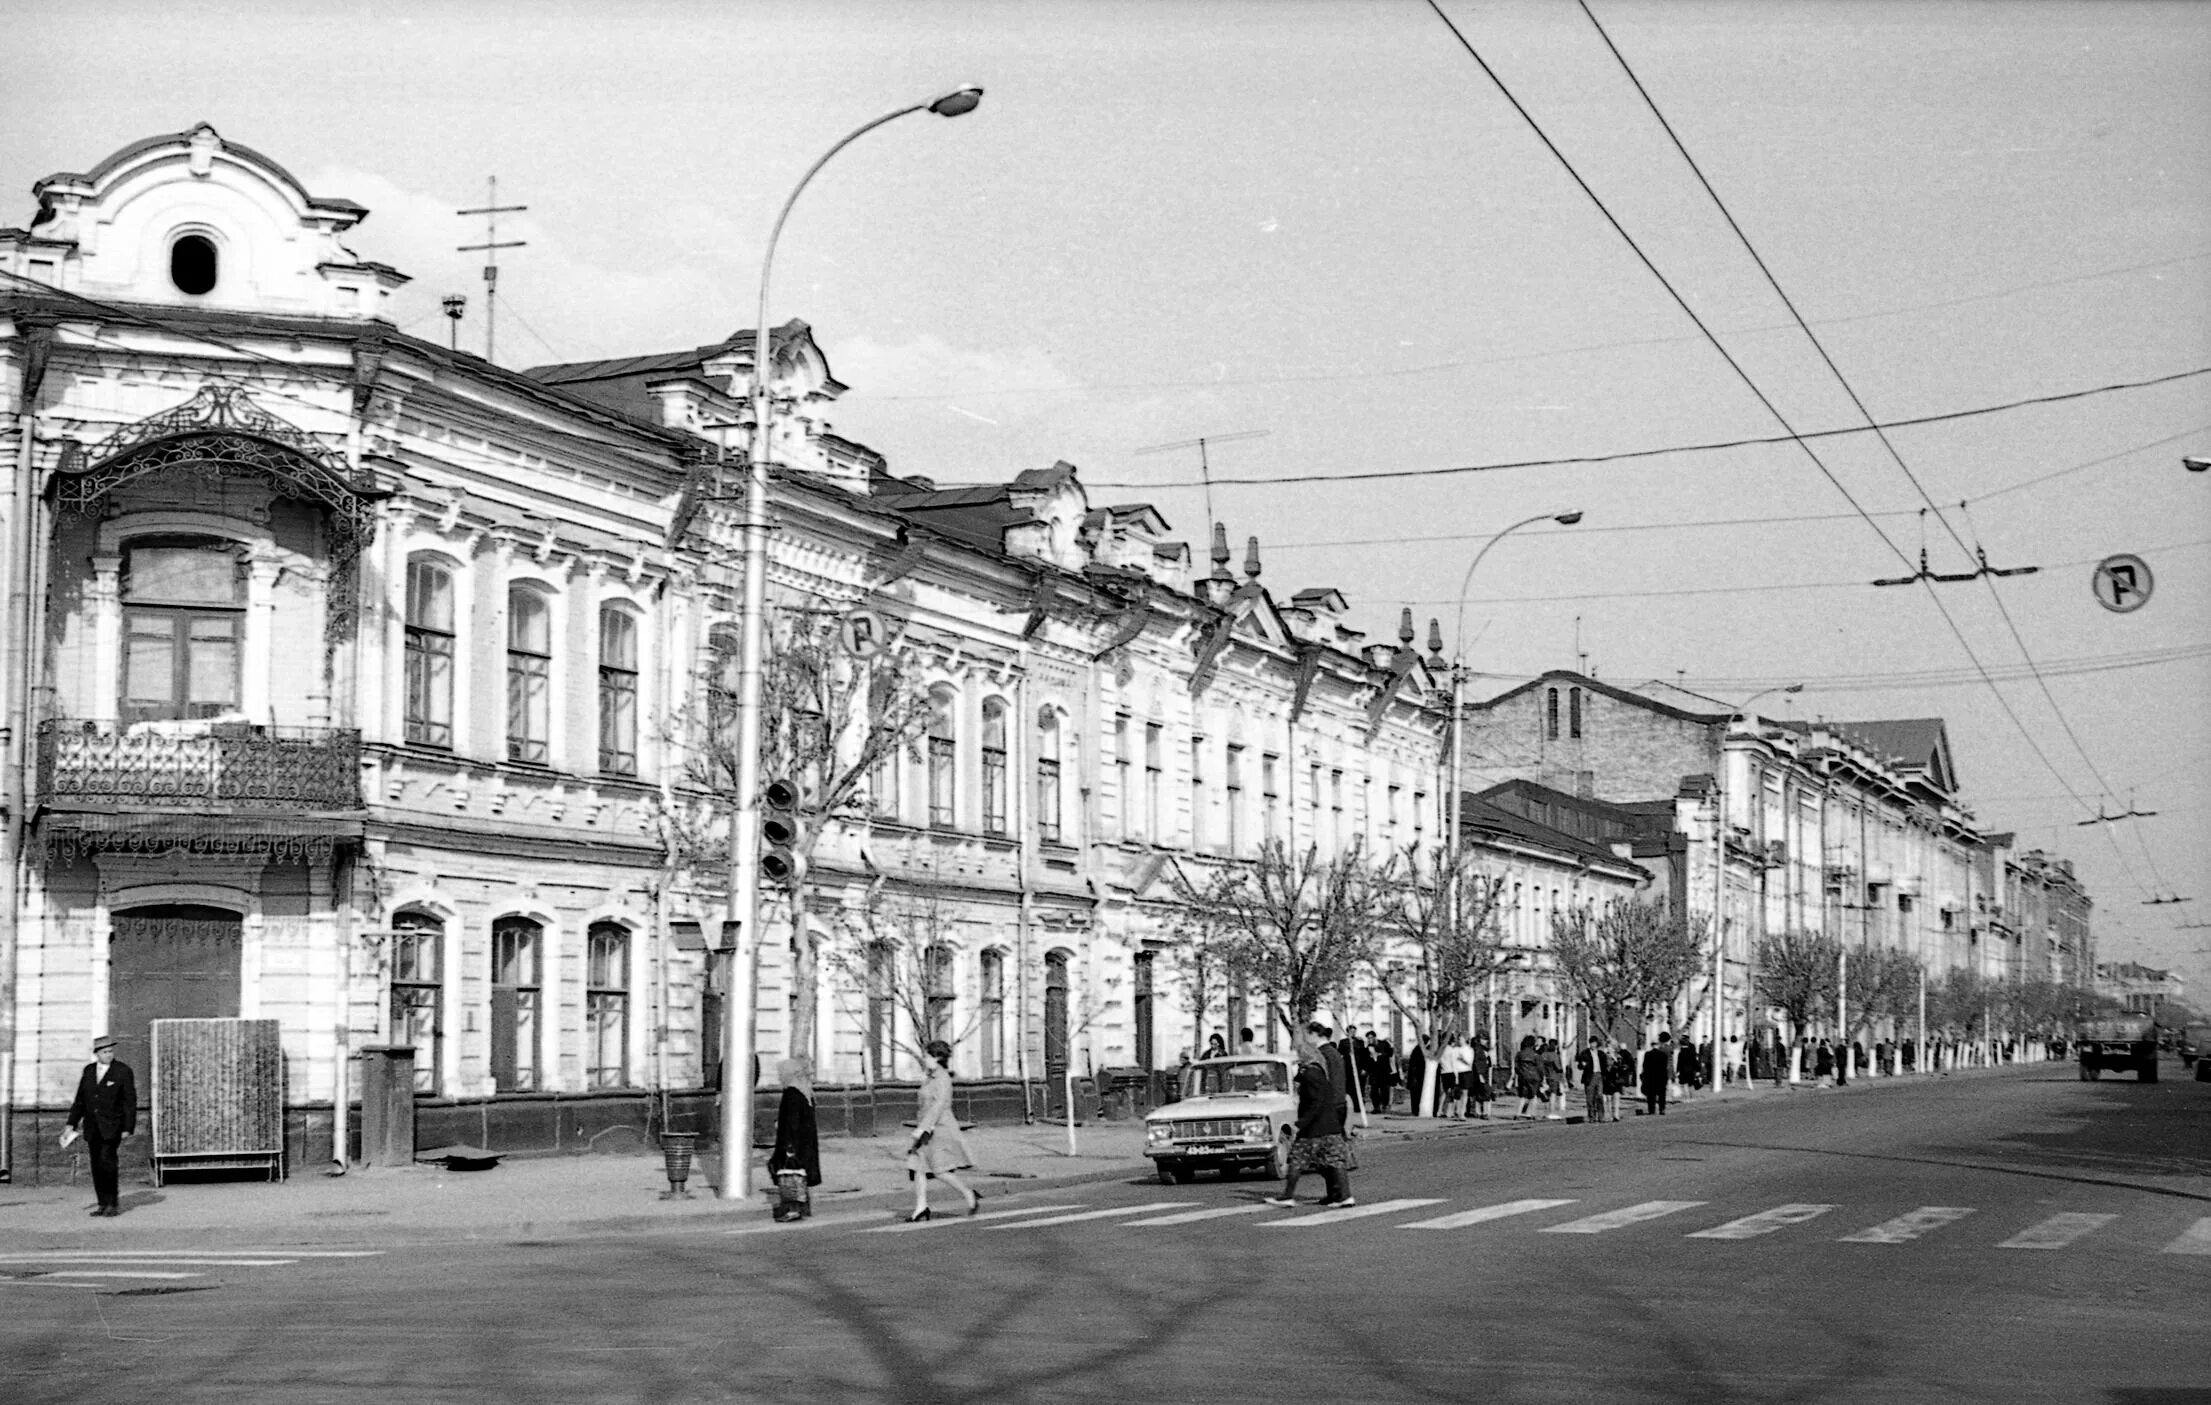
{"x": 1320, "y": 1145}
{"x": 796, "y": 1161}
{"x": 1657, "y": 1068}
{"x": 105, "y": 1111}
{"x": 1687, "y": 1071}
{"x": 1527, "y": 1074}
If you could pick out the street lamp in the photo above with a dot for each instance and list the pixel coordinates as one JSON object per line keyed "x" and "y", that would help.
{"x": 742, "y": 939}
{"x": 1458, "y": 729}
{"x": 1719, "y": 880}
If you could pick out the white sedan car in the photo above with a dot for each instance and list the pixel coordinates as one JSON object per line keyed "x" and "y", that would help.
{"x": 1236, "y": 1114}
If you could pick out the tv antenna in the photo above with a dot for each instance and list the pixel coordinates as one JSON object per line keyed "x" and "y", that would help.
{"x": 2166, "y": 900}
{"x": 491, "y": 210}
{"x": 1205, "y": 465}
{"x": 2132, "y": 812}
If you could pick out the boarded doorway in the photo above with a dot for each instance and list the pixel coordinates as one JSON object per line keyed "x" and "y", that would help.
{"x": 176, "y": 961}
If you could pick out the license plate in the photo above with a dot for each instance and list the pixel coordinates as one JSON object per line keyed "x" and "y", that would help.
{"x": 1206, "y": 1146}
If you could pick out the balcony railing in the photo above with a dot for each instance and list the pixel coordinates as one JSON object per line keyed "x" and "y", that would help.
{"x": 190, "y": 765}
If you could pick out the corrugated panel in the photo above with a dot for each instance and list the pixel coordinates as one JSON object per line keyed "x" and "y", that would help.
{"x": 218, "y": 1088}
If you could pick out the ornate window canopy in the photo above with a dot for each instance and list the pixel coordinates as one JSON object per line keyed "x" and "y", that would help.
{"x": 220, "y": 433}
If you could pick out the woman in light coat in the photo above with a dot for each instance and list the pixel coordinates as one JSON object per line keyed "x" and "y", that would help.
{"x": 928, "y": 1155}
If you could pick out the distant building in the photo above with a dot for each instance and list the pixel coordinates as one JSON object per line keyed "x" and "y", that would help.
{"x": 2140, "y": 989}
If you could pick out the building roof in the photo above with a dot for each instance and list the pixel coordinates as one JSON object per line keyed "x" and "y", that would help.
{"x": 621, "y": 383}
{"x": 1479, "y": 816}
{"x": 1918, "y": 745}
{"x": 1627, "y": 695}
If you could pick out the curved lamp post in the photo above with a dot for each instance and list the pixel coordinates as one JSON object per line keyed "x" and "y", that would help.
{"x": 744, "y": 824}
{"x": 1719, "y": 884}
{"x": 1450, "y": 788}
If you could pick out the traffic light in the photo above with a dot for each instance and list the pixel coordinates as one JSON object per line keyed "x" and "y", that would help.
{"x": 779, "y": 833}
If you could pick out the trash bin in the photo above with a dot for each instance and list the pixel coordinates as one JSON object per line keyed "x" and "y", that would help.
{"x": 675, "y": 1156}
{"x": 388, "y": 1105}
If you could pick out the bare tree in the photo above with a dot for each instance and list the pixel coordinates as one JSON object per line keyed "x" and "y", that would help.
{"x": 895, "y": 962}
{"x": 1634, "y": 955}
{"x": 1880, "y": 983}
{"x": 1292, "y": 925}
{"x": 1437, "y": 939}
{"x": 829, "y": 722}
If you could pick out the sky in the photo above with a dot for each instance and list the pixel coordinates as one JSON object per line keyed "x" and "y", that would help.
{"x": 1321, "y": 234}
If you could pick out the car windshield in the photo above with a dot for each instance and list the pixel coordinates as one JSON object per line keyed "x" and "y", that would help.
{"x": 1240, "y": 1076}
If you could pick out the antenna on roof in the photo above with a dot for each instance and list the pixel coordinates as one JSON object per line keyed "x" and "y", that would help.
{"x": 491, "y": 210}
{"x": 1205, "y": 466}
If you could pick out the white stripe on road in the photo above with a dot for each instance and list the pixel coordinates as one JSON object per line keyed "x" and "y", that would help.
{"x": 825, "y": 1222}
{"x": 1356, "y": 1212}
{"x": 931, "y": 1223}
{"x": 116, "y": 1273}
{"x": 2195, "y": 1239}
{"x": 6, "y": 1282}
{"x": 1764, "y": 1222}
{"x": 1193, "y": 1216}
{"x": 1486, "y": 1214}
{"x": 1098, "y": 1214}
{"x": 116, "y": 1260}
{"x": 1615, "y": 1219}
{"x": 2056, "y": 1232}
{"x": 1907, "y": 1227}
{"x": 189, "y": 1253}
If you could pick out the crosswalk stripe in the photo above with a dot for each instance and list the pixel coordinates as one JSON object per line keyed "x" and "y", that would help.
{"x": 1098, "y": 1214}
{"x": 117, "y": 1273}
{"x": 1356, "y": 1212}
{"x": 2195, "y": 1239}
{"x": 1487, "y": 1213}
{"x": 1615, "y": 1219}
{"x": 1193, "y": 1216}
{"x": 1764, "y": 1222}
{"x": 824, "y": 1222}
{"x": 226, "y": 1255}
{"x": 1908, "y": 1226}
{"x": 2056, "y": 1232}
{"x": 902, "y": 1227}
{"x": 6, "y": 1282}
{"x": 119, "y": 1260}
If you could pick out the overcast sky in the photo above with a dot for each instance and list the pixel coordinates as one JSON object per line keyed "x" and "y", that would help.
{"x": 1323, "y": 221}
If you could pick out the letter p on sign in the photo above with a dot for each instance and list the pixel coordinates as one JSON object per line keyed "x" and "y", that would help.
{"x": 2123, "y": 583}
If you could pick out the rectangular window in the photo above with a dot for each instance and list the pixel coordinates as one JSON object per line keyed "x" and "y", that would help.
{"x": 1420, "y": 821}
{"x": 942, "y": 754}
{"x": 1389, "y": 818}
{"x": 617, "y": 692}
{"x": 1146, "y": 1039}
{"x": 991, "y": 1026}
{"x": 883, "y": 783}
{"x": 1197, "y": 793}
{"x": 529, "y": 676}
{"x": 1154, "y": 827}
{"x": 179, "y": 664}
{"x": 1232, "y": 782}
{"x": 429, "y": 655}
{"x": 1573, "y": 713}
{"x": 938, "y": 997}
{"x": 1270, "y": 796}
{"x": 1335, "y": 810}
{"x": 1123, "y": 775}
{"x": 882, "y": 1006}
{"x": 994, "y": 767}
{"x": 417, "y": 961}
{"x": 607, "y": 1006}
{"x": 1047, "y": 779}
{"x": 516, "y": 992}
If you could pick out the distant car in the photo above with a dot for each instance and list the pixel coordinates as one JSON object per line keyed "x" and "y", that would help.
{"x": 1236, "y": 1114}
{"x": 2116, "y": 1043}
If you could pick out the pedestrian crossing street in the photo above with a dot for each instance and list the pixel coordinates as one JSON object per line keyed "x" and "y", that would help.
{"x": 1950, "y": 1223}
{"x": 123, "y": 1269}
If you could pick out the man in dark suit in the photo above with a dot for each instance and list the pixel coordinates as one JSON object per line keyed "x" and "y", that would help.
{"x": 105, "y": 1111}
{"x": 1657, "y": 1068}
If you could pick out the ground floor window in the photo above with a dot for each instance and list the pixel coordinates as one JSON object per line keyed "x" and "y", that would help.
{"x": 517, "y": 993}
{"x": 418, "y": 991}
{"x": 607, "y": 1006}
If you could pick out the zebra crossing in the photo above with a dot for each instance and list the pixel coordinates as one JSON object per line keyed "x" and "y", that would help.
{"x": 1792, "y": 1220}
{"x": 123, "y": 1270}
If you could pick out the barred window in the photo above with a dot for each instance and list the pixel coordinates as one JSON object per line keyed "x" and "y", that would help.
{"x": 429, "y": 654}
{"x": 517, "y": 991}
{"x": 617, "y": 691}
{"x": 1047, "y": 776}
{"x": 994, "y": 766}
{"x": 417, "y": 966}
{"x": 607, "y": 1005}
{"x": 529, "y": 676}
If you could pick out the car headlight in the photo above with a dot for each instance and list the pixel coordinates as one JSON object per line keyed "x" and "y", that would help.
{"x": 1257, "y": 1130}
{"x": 1158, "y": 1132}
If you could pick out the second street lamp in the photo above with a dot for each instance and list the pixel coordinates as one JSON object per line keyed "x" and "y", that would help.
{"x": 735, "y": 1123}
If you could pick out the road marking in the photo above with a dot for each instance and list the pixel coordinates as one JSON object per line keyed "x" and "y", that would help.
{"x": 117, "y": 1273}
{"x": 825, "y": 1222}
{"x": 113, "y": 1260}
{"x": 2056, "y": 1232}
{"x": 1193, "y": 1216}
{"x": 902, "y": 1227}
{"x": 1486, "y": 1214}
{"x": 226, "y": 1254}
{"x": 1615, "y": 1219}
{"x": 1098, "y": 1214}
{"x": 6, "y": 1282}
{"x": 1356, "y": 1212}
{"x": 1764, "y": 1222}
{"x": 1909, "y": 1226}
{"x": 2195, "y": 1239}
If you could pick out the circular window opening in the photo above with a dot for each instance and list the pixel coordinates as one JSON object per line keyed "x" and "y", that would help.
{"x": 192, "y": 264}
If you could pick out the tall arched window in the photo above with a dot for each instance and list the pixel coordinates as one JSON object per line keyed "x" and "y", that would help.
{"x": 990, "y": 1028}
{"x": 1047, "y": 776}
{"x": 429, "y": 654}
{"x": 1550, "y": 714}
{"x": 183, "y": 625}
{"x": 994, "y": 766}
{"x": 938, "y": 992}
{"x": 943, "y": 755}
{"x": 517, "y": 993}
{"x": 418, "y": 988}
{"x": 529, "y": 676}
{"x": 1573, "y": 713}
{"x": 724, "y": 653}
{"x": 607, "y": 1005}
{"x": 882, "y": 998}
{"x": 617, "y": 691}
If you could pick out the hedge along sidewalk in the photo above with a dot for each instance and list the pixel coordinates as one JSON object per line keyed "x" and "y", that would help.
{"x": 541, "y": 1196}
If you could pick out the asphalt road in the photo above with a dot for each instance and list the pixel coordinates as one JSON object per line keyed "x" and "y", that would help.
{"x": 2019, "y": 1236}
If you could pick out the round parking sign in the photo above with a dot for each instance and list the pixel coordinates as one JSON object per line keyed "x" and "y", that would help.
{"x": 2122, "y": 583}
{"x": 861, "y": 633}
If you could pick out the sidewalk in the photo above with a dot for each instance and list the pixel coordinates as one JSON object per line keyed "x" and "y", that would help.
{"x": 553, "y": 1196}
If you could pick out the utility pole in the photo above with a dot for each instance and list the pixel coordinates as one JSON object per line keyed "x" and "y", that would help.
{"x": 491, "y": 210}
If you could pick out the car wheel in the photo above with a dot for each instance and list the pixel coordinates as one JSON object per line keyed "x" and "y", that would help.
{"x": 2149, "y": 1071}
{"x": 1173, "y": 1172}
{"x": 1278, "y": 1165}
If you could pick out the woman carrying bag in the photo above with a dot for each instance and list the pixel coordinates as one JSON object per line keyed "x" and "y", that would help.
{"x": 796, "y": 1161}
{"x": 927, "y": 1156}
